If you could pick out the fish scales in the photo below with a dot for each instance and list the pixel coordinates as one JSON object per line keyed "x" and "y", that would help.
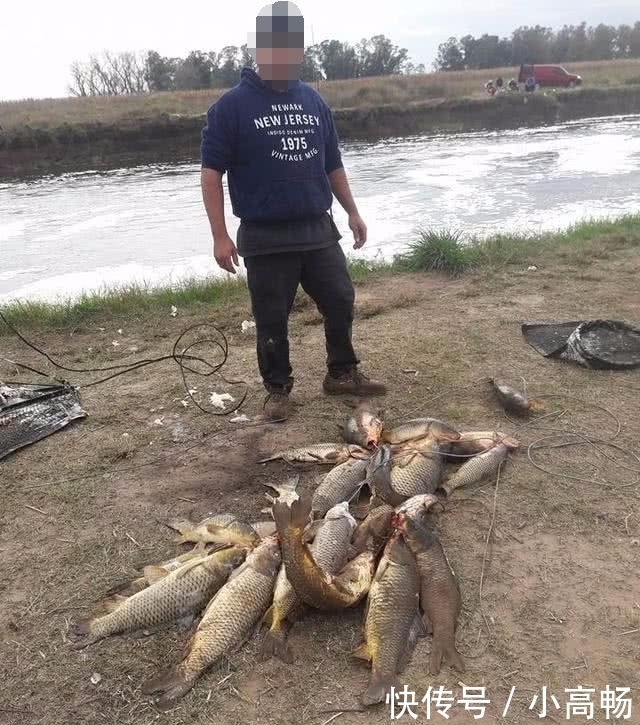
{"x": 227, "y": 622}
{"x": 340, "y": 484}
{"x": 182, "y": 592}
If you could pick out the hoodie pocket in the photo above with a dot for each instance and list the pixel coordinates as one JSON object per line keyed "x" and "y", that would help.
{"x": 289, "y": 199}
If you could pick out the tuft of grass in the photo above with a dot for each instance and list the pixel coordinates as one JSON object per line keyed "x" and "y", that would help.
{"x": 449, "y": 252}
{"x": 436, "y": 251}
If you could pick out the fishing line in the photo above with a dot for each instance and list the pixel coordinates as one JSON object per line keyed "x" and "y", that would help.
{"x": 179, "y": 357}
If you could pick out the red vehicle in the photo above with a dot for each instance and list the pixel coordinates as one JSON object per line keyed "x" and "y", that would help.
{"x": 549, "y": 75}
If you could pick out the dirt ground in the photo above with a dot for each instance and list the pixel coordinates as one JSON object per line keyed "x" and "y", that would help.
{"x": 560, "y": 604}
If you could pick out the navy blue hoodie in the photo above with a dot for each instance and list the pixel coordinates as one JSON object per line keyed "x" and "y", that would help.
{"x": 277, "y": 148}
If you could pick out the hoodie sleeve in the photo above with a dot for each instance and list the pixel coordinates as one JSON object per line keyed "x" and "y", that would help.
{"x": 332, "y": 155}
{"x": 218, "y": 139}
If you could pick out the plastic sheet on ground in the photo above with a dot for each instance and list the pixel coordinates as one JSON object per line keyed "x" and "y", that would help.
{"x": 29, "y": 413}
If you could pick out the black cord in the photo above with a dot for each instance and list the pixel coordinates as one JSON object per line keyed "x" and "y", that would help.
{"x": 178, "y": 357}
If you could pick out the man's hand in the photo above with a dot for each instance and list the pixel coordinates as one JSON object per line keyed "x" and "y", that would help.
{"x": 225, "y": 253}
{"x": 359, "y": 229}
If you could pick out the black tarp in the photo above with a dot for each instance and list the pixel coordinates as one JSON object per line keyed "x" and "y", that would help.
{"x": 29, "y": 413}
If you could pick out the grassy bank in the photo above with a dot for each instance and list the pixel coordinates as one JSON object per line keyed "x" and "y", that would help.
{"x": 357, "y": 93}
{"x": 440, "y": 251}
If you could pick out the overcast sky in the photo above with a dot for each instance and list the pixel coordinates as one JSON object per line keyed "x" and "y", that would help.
{"x": 40, "y": 40}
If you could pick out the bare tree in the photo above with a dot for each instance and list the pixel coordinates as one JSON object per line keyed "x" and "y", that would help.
{"x": 115, "y": 74}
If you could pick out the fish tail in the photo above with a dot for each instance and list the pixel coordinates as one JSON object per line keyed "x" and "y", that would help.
{"x": 447, "y": 652}
{"x": 81, "y": 631}
{"x": 379, "y": 686}
{"x": 275, "y": 644}
{"x": 300, "y": 511}
{"x": 173, "y": 684}
{"x": 281, "y": 515}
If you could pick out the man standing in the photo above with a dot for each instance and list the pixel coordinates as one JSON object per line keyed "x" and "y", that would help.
{"x": 275, "y": 138}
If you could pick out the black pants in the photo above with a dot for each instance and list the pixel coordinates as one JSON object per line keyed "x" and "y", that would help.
{"x": 273, "y": 280}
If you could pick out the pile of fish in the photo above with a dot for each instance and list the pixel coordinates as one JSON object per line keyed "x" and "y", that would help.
{"x": 362, "y": 535}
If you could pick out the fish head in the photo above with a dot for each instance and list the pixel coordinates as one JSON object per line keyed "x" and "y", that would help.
{"x": 266, "y": 558}
{"x": 358, "y": 452}
{"x": 341, "y": 511}
{"x": 441, "y": 431}
{"x": 416, "y": 506}
{"x": 371, "y": 426}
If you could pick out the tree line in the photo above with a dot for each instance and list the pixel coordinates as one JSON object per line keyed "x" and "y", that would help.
{"x": 540, "y": 45}
{"x": 127, "y": 73}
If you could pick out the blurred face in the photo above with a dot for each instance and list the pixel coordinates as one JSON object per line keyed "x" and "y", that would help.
{"x": 279, "y": 64}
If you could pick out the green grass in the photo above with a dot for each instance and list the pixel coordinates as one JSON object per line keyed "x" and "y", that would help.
{"x": 434, "y": 251}
{"x": 448, "y": 252}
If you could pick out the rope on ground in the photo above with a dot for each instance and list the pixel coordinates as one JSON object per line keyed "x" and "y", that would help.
{"x": 179, "y": 356}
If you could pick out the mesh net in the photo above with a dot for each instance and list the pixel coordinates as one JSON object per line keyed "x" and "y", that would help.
{"x": 29, "y": 413}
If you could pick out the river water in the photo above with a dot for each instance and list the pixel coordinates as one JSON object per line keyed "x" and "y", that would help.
{"x": 62, "y": 235}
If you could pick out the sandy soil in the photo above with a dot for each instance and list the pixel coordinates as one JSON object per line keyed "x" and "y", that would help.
{"x": 560, "y": 606}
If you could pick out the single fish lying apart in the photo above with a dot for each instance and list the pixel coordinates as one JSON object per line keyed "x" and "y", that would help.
{"x": 329, "y": 550}
{"x": 477, "y": 469}
{"x": 224, "y": 529}
{"x": 392, "y": 620}
{"x": 439, "y": 592}
{"x": 324, "y": 453}
{"x": 513, "y": 400}
{"x": 364, "y": 427}
{"x": 314, "y": 586}
{"x": 226, "y": 624}
{"x": 180, "y": 594}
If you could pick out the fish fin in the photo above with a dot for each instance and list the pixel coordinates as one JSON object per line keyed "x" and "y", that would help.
{"x": 311, "y": 531}
{"x": 121, "y": 587}
{"x": 267, "y": 620}
{"x": 362, "y": 652}
{"x": 428, "y": 627}
{"x": 110, "y": 604}
{"x": 192, "y": 564}
{"x": 415, "y": 633}
{"x": 173, "y": 684}
{"x": 275, "y": 644}
{"x": 274, "y": 457}
{"x": 379, "y": 686}
{"x": 154, "y": 574}
{"x": 300, "y": 511}
{"x": 447, "y": 652}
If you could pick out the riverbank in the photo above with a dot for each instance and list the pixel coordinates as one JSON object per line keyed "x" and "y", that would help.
{"x": 434, "y": 251}
{"x": 83, "y": 134}
{"x": 543, "y": 560}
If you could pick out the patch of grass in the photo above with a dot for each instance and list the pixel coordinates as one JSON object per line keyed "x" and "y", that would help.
{"x": 436, "y": 251}
{"x": 448, "y": 252}
{"x": 126, "y": 301}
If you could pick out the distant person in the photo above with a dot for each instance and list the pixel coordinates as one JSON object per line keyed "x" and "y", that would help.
{"x": 490, "y": 88}
{"x": 513, "y": 85}
{"x": 275, "y": 138}
{"x": 499, "y": 83}
{"x": 530, "y": 84}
